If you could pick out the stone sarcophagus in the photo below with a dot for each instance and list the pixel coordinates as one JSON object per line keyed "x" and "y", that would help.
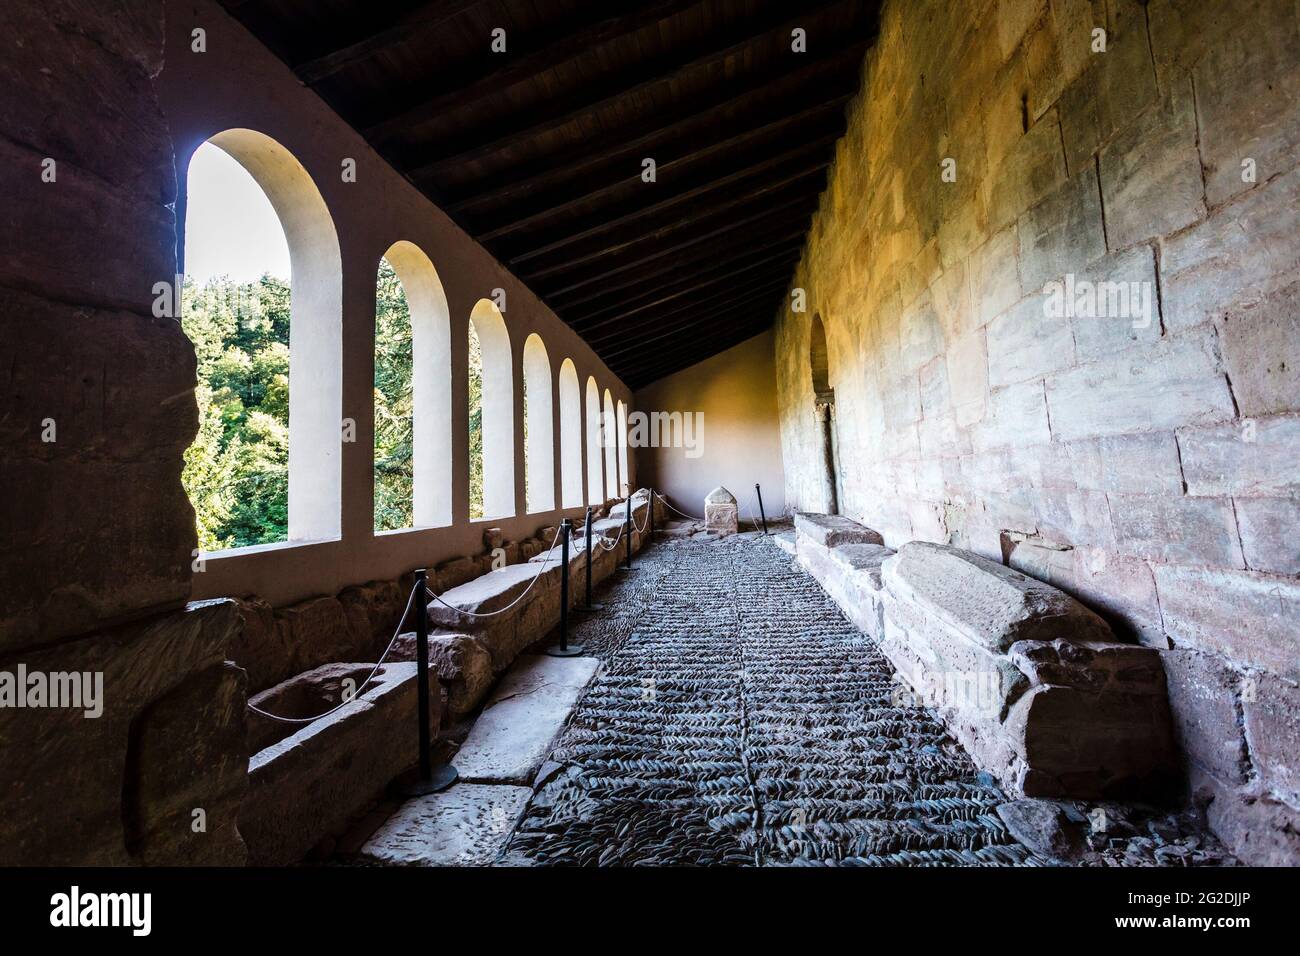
{"x": 721, "y": 513}
{"x": 1031, "y": 682}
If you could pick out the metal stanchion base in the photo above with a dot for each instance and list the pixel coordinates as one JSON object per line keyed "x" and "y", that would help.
{"x": 444, "y": 775}
{"x": 589, "y": 608}
{"x": 573, "y": 650}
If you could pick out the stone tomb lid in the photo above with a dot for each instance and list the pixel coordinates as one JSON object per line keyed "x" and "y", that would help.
{"x": 719, "y": 496}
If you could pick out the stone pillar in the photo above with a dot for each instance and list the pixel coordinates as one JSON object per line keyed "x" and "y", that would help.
{"x": 721, "y": 512}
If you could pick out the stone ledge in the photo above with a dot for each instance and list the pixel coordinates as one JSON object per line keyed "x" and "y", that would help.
{"x": 306, "y": 786}
{"x": 849, "y": 571}
{"x": 832, "y": 531}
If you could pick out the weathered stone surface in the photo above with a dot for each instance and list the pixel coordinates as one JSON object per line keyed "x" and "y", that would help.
{"x": 467, "y": 825}
{"x": 1025, "y": 343}
{"x": 1043, "y": 827}
{"x": 1118, "y": 85}
{"x": 1271, "y": 707}
{"x": 1151, "y": 173}
{"x": 1244, "y": 251}
{"x": 306, "y": 786}
{"x": 1268, "y": 533}
{"x": 1016, "y": 415}
{"x": 1247, "y": 86}
{"x": 518, "y": 724}
{"x": 1205, "y": 700}
{"x": 1178, "y": 382}
{"x": 1249, "y": 618}
{"x": 188, "y": 753}
{"x": 988, "y": 604}
{"x": 1032, "y": 170}
{"x": 1062, "y": 233}
{"x": 994, "y": 276}
{"x": 721, "y": 513}
{"x": 1118, "y": 587}
{"x": 832, "y": 531}
{"x": 1199, "y": 531}
{"x": 1250, "y": 459}
{"x": 454, "y": 573}
{"x": 463, "y": 665}
{"x": 850, "y": 572}
{"x": 84, "y": 765}
{"x": 1126, "y": 313}
{"x": 1133, "y": 464}
{"x": 1261, "y": 351}
{"x": 275, "y": 644}
{"x": 1261, "y": 830}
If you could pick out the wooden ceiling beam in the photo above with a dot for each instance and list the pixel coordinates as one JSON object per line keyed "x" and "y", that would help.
{"x": 390, "y": 33}
{"x": 558, "y": 45}
{"x": 789, "y": 242}
{"x": 815, "y": 166}
{"x": 576, "y": 164}
{"x": 694, "y": 329}
{"x": 637, "y": 374}
{"x": 725, "y": 296}
{"x": 785, "y": 259}
{"x": 799, "y": 207}
{"x": 592, "y": 98}
{"x": 629, "y": 178}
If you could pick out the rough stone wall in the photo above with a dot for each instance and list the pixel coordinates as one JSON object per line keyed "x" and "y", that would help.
{"x": 96, "y": 522}
{"x": 97, "y": 409}
{"x": 1147, "y": 467}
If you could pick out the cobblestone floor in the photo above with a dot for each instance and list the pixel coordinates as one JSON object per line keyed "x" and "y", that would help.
{"x": 741, "y": 720}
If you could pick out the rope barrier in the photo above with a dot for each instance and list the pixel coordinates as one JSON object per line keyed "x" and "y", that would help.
{"x": 373, "y": 671}
{"x": 748, "y": 508}
{"x": 541, "y": 566}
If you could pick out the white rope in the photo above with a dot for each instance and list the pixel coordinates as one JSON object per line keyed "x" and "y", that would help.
{"x": 373, "y": 671}
{"x": 541, "y": 566}
{"x": 678, "y": 510}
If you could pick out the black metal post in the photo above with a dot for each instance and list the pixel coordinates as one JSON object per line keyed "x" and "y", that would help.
{"x": 422, "y": 671}
{"x": 761, "y": 513}
{"x": 650, "y": 518}
{"x": 627, "y": 532}
{"x": 430, "y": 780}
{"x": 564, "y": 650}
{"x": 589, "y": 606}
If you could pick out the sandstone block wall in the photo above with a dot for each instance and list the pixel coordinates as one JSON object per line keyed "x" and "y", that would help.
{"x": 1142, "y": 462}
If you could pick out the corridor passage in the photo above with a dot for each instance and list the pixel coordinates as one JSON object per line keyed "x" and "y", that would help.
{"x": 740, "y": 719}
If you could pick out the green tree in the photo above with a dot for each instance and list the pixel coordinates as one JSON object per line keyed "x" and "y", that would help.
{"x": 237, "y": 470}
{"x": 394, "y": 432}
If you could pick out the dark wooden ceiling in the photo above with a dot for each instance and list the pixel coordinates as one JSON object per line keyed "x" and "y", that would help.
{"x": 537, "y": 152}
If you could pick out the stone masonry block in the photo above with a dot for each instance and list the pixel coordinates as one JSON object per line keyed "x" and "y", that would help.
{"x": 1151, "y": 174}
{"x": 1247, "y": 617}
{"x": 1244, "y": 459}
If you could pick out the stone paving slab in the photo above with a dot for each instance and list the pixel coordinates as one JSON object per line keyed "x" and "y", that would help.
{"x": 524, "y": 716}
{"x": 466, "y": 825}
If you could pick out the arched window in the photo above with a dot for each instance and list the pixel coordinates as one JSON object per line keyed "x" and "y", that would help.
{"x": 265, "y": 466}
{"x": 609, "y": 440}
{"x": 595, "y": 481}
{"x": 624, "y": 474}
{"x": 570, "y": 436}
{"x": 412, "y": 393}
{"x": 491, "y": 415}
{"x": 539, "y": 438}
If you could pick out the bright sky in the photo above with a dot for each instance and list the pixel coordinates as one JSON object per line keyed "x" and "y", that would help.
{"x": 230, "y": 227}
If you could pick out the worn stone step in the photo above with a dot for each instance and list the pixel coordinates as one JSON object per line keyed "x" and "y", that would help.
{"x": 527, "y": 711}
